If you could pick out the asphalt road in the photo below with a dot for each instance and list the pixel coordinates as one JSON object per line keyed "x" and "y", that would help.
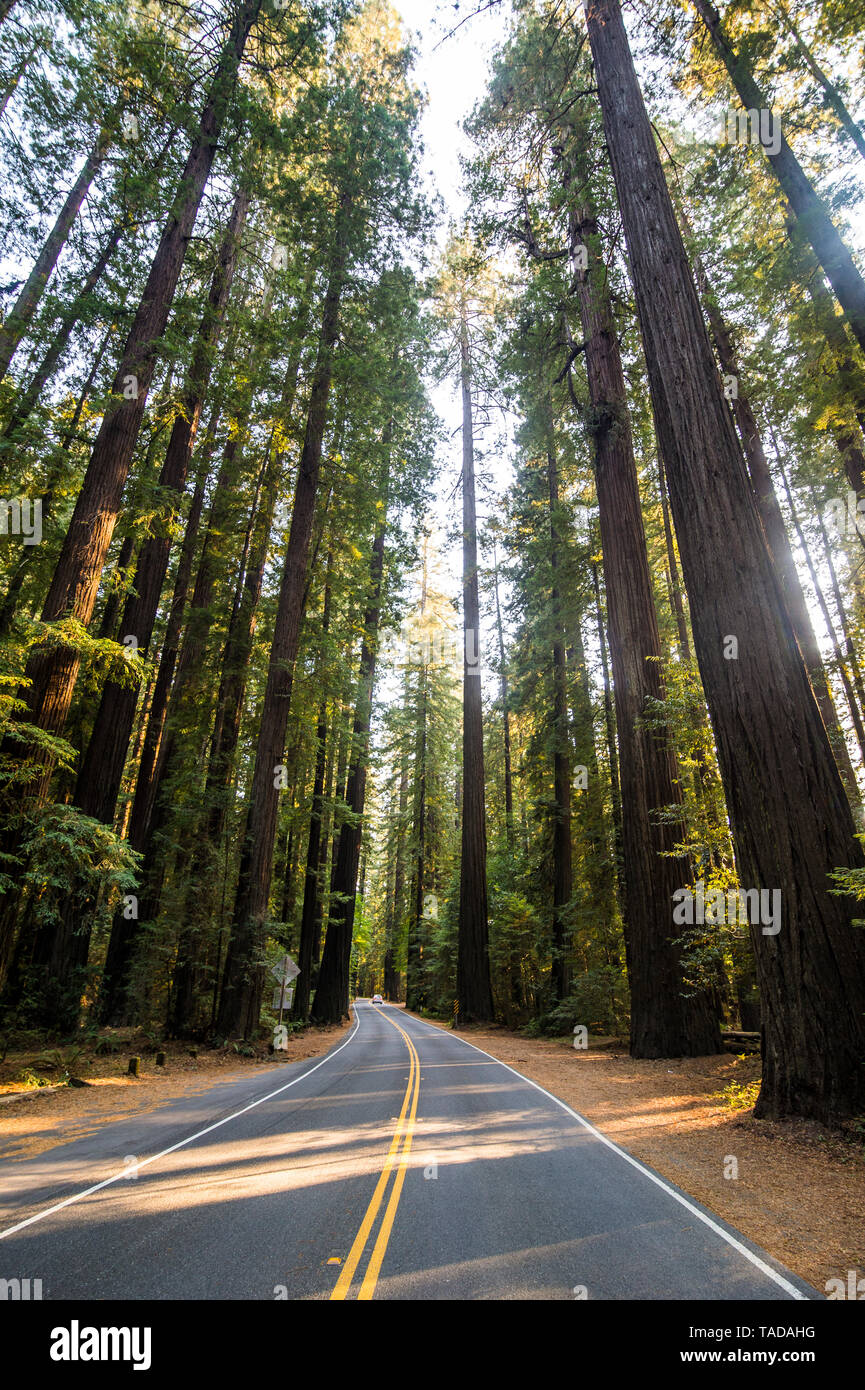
{"x": 404, "y": 1164}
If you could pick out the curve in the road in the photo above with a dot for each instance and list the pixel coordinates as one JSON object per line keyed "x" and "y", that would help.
{"x": 318, "y": 1188}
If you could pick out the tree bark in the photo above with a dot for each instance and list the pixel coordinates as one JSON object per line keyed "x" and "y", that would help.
{"x": 240, "y": 1003}
{"x": 415, "y": 986}
{"x": 113, "y": 1001}
{"x": 791, "y": 820}
{"x": 506, "y": 714}
{"x": 612, "y": 751}
{"x": 474, "y": 989}
{"x": 332, "y": 994}
{"x": 311, "y": 883}
{"x": 392, "y": 984}
{"x": 665, "y": 1020}
{"x": 673, "y": 568}
{"x": 223, "y": 745}
{"x": 103, "y": 763}
{"x": 776, "y": 532}
{"x": 300, "y": 1009}
{"x": 563, "y": 873}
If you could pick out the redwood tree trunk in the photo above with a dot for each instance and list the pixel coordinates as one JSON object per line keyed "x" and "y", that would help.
{"x": 332, "y": 994}
{"x": 415, "y": 988}
{"x": 124, "y": 933}
{"x": 311, "y": 884}
{"x": 474, "y": 989}
{"x": 240, "y": 1003}
{"x": 392, "y": 988}
{"x": 776, "y": 532}
{"x": 151, "y": 807}
{"x": 200, "y": 899}
{"x": 506, "y": 717}
{"x": 178, "y": 664}
{"x": 563, "y": 873}
{"x": 789, "y": 813}
{"x": 666, "y": 1020}
{"x": 311, "y": 888}
{"x": 103, "y": 763}
{"x": 612, "y": 751}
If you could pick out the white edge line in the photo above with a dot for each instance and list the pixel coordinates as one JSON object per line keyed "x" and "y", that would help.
{"x": 635, "y": 1163}
{"x": 106, "y": 1182}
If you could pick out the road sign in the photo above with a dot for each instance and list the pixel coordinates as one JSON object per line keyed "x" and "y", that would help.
{"x": 285, "y": 970}
{"x": 283, "y": 999}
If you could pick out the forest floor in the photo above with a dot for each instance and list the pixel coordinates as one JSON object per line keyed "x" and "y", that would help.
{"x": 49, "y": 1117}
{"x": 800, "y": 1189}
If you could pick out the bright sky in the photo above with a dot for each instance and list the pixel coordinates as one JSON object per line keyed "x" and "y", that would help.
{"x": 453, "y": 71}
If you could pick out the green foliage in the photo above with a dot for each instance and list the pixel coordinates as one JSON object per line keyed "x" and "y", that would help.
{"x": 323, "y": 133}
{"x": 70, "y": 855}
{"x": 850, "y": 883}
{"x": 75, "y": 866}
{"x": 30, "y": 1079}
{"x": 66, "y": 1061}
{"x": 596, "y": 1002}
{"x": 148, "y": 1039}
{"x": 739, "y": 1095}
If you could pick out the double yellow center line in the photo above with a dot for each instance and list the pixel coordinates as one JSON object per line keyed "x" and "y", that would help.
{"x": 396, "y": 1161}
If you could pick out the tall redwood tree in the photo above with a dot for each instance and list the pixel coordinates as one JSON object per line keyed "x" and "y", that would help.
{"x": 790, "y": 816}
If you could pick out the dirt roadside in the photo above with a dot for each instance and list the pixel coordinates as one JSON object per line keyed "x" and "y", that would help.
{"x": 37, "y": 1122}
{"x": 800, "y": 1189}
